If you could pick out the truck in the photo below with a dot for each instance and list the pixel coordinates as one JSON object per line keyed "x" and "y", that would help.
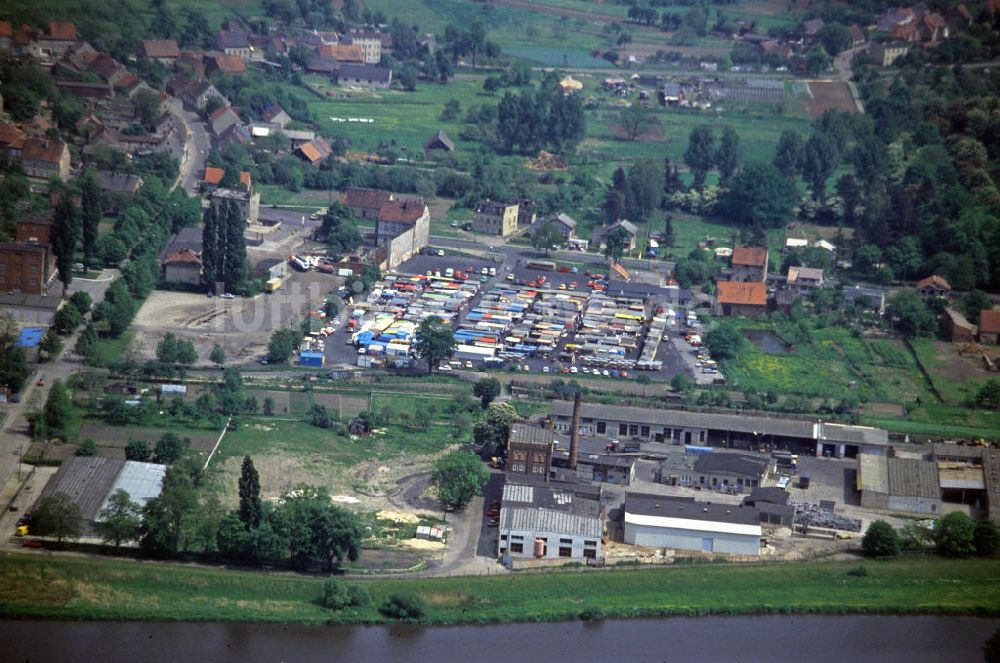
{"x": 628, "y": 446}
{"x": 786, "y": 459}
{"x": 272, "y": 284}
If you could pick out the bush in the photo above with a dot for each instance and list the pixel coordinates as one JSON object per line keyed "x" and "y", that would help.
{"x": 335, "y": 594}
{"x": 858, "y": 572}
{"x": 403, "y": 606}
{"x": 591, "y": 614}
{"x": 357, "y": 596}
{"x": 986, "y": 538}
{"x": 81, "y": 301}
{"x": 880, "y": 540}
{"x": 953, "y": 535}
{"x": 87, "y": 448}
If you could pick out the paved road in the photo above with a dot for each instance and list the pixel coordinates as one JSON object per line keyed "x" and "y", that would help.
{"x": 197, "y": 148}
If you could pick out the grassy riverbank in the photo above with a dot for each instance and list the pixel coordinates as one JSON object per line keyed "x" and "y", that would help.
{"x": 79, "y": 588}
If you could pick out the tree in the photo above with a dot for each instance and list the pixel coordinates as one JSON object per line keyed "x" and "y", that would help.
{"x": 137, "y": 450}
{"x": 335, "y": 594}
{"x": 700, "y": 154}
{"x": 954, "y": 535}
{"x": 643, "y": 189}
{"x": 759, "y": 196}
{"x": 835, "y": 38}
{"x": 880, "y": 540}
{"x": 250, "y": 504}
{"x": 59, "y": 516}
{"x": 492, "y": 431}
{"x": 166, "y": 517}
{"x": 318, "y": 530}
{"x": 51, "y": 344}
{"x": 986, "y": 538}
{"x": 487, "y": 389}
{"x": 64, "y": 237}
{"x": 232, "y": 393}
{"x": 988, "y": 394}
{"x": 218, "y": 355}
{"x": 790, "y": 153}
{"x": 120, "y": 520}
{"x": 91, "y": 211}
{"x": 87, "y": 448}
{"x": 147, "y": 107}
{"x": 211, "y": 254}
{"x": 634, "y": 120}
{"x": 680, "y": 382}
{"x": 910, "y": 315}
{"x": 546, "y": 237}
{"x": 615, "y": 243}
{"x": 319, "y": 416}
{"x": 268, "y": 406}
{"x": 58, "y": 409}
{"x": 170, "y": 448}
{"x": 81, "y": 301}
{"x": 725, "y": 341}
{"x": 727, "y": 157}
{"x": 975, "y": 302}
{"x": 820, "y": 158}
{"x": 435, "y": 341}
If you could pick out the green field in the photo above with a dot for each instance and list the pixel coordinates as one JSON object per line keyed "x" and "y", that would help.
{"x": 32, "y": 586}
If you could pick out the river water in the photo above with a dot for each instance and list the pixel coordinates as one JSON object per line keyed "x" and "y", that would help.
{"x": 812, "y": 639}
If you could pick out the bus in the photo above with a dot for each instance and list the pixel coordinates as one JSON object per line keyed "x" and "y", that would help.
{"x": 543, "y": 265}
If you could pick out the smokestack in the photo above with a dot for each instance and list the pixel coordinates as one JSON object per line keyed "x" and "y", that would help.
{"x": 574, "y": 433}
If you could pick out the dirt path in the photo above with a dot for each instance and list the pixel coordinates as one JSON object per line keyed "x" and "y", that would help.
{"x": 560, "y": 11}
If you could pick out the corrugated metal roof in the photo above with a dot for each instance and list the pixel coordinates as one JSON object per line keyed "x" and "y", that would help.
{"x": 142, "y": 482}
{"x": 550, "y": 520}
{"x": 873, "y": 473}
{"x": 517, "y": 493}
{"x": 909, "y": 477}
{"x": 521, "y": 433}
{"x": 87, "y": 480}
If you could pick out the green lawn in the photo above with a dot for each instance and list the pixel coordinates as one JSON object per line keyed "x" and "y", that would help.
{"x": 32, "y": 586}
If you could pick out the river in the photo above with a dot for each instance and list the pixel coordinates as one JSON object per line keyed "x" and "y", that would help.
{"x": 815, "y": 639}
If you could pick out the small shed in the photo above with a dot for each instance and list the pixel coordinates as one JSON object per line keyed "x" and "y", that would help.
{"x": 439, "y": 142}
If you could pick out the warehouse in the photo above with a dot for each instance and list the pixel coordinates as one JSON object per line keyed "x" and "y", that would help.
{"x": 659, "y": 521}
{"x": 908, "y": 485}
{"x": 602, "y": 468}
{"x": 726, "y": 469}
{"x": 550, "y": 522}
{"x": 734, "y": 431}
{"x": 90, "y": 481}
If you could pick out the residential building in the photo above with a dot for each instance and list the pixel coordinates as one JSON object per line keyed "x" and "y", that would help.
{"x": 749, "y": 264}
{"x": 275, "y": 115}
{"x": 44, "y": 158}
{"x": 342, "y": 52}
{"x": 315, "y": 151}
{"x": 183, "y": 266}
{"x": 6, "y": 36}
{"x": 933, "y": 286}
{"x": 864, "y": 296}
{"x": 529, "y": 451}
{"x": 196, "y": 95}
{"x": 403, "y": 228}
{"x": 804, "y": 279}
{"x": 734, "y": 431}
{"x": 989, "y": 326}
{"x": 366, "y": 203}
{"x": 186, "y": 239}
{"x": 212, "y": 178}
{"x": 119, "y": 183}
{"x": 549, "y": 522}
{"x": 164, "y": 51}
{"x": 955, "y": 327}
{"x": 271, "y": 268}
{"x": 221, "y": 119}
{"x": 885, "y": 54}
{"x": 233, "y": 65}
{"x": 658, "y": 521}
{"x": 495, "y": 218}
{"x": 733, "y": 298}
{"x": 364, "y": 75}
{"x": 601, "y": 233}
{"x": 48, "y": 48}
{"x": 236, "y": 42}
{"x": 27, "y": 264}
{"x": 439, "y": 142}
{"x": 245, "y": 199}
{"x": 565, "y": 224}
{"x": 370, "y": 45}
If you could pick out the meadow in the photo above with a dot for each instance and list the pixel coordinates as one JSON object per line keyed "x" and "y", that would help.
{"x": 56, "y": 587}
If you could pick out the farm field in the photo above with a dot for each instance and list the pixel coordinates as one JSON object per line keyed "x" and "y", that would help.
{"x": 829, "y": 95}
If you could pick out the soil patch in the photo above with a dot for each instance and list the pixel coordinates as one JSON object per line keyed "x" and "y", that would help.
{"x": 829, "y": 95}
{"x": 652, "y": 134}
{"x": 119, "y": 436}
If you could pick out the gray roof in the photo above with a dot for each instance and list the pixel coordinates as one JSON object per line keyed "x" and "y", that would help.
{"x": 186, "y": 238}
{"x": 522, "y": 433}
{"x": 749, "y": 466}
{"x": 771, "y": 495}
{"x": 118, "y": 182}
{"x": 737, "y": 423}
{"x": 645, "y": 504}
{"x": 548, "y": 520}
{"x": 233, "y": 39}
{"x": 566, "y": 220}
{"x": 853, "y": 291}
{"x": 365, "y": 72}
{"x": 582, "y": 500}
{"x": 439, "y": 139}
{"x": 949, "y": 450}
{"x": 21, "y": 299}
{"x": 142, "y": 481}
{"x": 911, "y": 477}
{"x": 87, "y": 481}
{"x": 628, "y": 226}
